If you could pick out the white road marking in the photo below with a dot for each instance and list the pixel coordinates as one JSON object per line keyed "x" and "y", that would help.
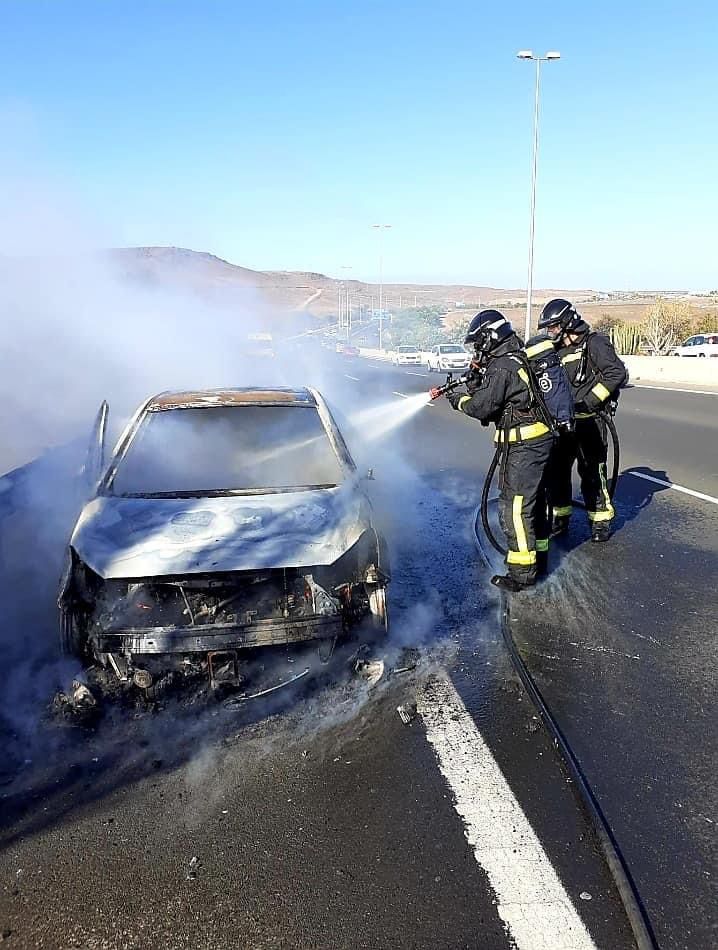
{"x": 686, "y": 491}
{"x": 671, "y": 389}
{"x": 410, "y": 373}
{"x": 403, "y": 395}
{"x": 531, "y": 900}
{"x": 355, "y": 378}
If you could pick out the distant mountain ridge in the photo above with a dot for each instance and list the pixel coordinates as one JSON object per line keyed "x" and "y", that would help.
{"x": 211, "y": 276}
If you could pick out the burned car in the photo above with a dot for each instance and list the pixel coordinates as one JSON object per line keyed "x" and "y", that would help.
{"x": 224, "y": 522}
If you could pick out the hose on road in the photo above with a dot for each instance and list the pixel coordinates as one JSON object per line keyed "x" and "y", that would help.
{"x": 630, "y": 897}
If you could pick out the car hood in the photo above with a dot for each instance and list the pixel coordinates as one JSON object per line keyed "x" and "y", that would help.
{"x": 146, "y": 537}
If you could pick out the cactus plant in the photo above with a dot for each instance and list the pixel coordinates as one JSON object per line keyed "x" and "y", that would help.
{"x": 626, "y": 338}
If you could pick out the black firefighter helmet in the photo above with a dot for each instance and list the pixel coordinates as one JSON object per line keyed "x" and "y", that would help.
{"x": 559, "y": 312}
{"x": 487, "y": 330}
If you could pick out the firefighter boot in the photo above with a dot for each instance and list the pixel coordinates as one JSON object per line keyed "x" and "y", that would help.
{"x": 510, "y": 583}
{"x": 601, "y": 531}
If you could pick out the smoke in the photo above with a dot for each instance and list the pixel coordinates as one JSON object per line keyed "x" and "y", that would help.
{"x": 87, "y": 327}
{"x": 83, "y": 325}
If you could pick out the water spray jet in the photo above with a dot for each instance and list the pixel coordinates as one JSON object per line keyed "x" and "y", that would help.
{"x": 378, "y": 421}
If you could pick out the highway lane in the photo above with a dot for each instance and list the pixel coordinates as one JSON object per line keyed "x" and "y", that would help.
{"x": 326, "y": 822}
{"x": 620, "y": 642}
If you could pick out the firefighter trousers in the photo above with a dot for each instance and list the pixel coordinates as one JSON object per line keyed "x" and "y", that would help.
{"x": 523, "y": 504}
{"x": 588, "y": 446}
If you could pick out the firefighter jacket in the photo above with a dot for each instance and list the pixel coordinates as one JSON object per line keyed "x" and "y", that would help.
{"x": 503, "y": 396}
{"x": 595, "y": 371}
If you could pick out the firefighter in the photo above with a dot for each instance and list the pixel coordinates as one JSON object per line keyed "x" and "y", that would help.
{"x": 596, "y": 374}
{"x": 502, "y": 394}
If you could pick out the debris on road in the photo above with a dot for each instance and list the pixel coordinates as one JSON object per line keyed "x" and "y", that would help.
{"x": 407, "y": 712}
{"x": 585, "y": 896}
{"x": 192, "y": 870}
{"x": 79, "y": 704}
{"x": 81, "y": 695}
{"x": 370, "y": 670}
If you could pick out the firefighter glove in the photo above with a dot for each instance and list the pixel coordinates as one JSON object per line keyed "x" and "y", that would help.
{"x": 456, "y": 399}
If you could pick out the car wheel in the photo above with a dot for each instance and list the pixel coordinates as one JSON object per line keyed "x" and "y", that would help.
{"x": 701, "y": 354}
{"x": 378, "y": 608}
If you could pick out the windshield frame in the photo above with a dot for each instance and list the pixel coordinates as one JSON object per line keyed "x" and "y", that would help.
{"x": 456, "y": 348}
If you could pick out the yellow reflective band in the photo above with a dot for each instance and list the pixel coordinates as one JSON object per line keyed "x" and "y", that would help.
{"x": 463, "y": 401}
{"x": 538, "y": 348}
{"x": 525, "y": 558}
{"x": 524, "y": 375}
{"x": 518, "y": 523}
{"x": 600, "y": 392}
{"x": 542, "y": 544}
{"x": 526, "y": 432}
{"x": 585, "y": 415}
{"x": 571, "y": 358}
{"x": 600, "y": 515}
{"x": 604, "y": 488}
{"x": 564, "y": 511}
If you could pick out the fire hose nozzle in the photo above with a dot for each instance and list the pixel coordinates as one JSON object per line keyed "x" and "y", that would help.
{"x": 436, "y": 392}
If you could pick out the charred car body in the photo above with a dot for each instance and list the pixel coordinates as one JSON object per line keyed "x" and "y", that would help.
{"x": 225, "y": 520}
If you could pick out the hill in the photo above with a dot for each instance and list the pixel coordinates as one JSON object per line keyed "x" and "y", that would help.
{"x": 275, "y": 292}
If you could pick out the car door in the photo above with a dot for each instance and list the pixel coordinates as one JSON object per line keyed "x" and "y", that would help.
{"x": 95, "y": 458}
{"x": 697, "y": 346}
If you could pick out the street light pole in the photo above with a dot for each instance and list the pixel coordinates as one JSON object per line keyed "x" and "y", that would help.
{"x": 528, "y": 54}
{"x": 381, "y": 228}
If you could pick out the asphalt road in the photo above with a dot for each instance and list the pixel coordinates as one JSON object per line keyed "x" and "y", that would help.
{"x": 328, "y": 822}
{"x": 621, "y": 640}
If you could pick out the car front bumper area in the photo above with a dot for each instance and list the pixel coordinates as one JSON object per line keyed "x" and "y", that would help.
{"x": 207, "y": 638}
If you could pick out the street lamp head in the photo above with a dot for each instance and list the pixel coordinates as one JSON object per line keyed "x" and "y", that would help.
{"x": 554, "y": 54}
{"x": 525, "y": 54}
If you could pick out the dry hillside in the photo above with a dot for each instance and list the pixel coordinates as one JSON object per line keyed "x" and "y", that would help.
{"x": 317, "y": 294}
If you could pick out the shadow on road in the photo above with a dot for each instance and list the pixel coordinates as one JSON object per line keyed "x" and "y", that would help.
{"x": 632, "y": 496}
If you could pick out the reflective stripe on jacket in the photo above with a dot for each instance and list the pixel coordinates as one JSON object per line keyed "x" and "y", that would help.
{"x": 594, "y": 369}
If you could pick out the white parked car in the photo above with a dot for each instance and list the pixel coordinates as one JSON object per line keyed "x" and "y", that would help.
{"x": 702, "y": 344}
{"x": 447, "y": 357}
{"x": 406, "y": 356}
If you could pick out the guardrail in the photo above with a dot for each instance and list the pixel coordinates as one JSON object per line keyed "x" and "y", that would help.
{"x": 682, "y": 370}
{"x": 374, "y": 354}
{"x": 688, "y": 370}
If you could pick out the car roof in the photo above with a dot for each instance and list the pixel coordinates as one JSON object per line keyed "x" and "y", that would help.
{"x": 244, "y": 396}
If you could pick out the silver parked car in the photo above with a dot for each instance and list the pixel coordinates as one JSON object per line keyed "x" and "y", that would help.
{"x": 225, "y": 520}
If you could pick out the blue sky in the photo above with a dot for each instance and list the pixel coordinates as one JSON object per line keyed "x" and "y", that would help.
{"x": 273, "y": 134}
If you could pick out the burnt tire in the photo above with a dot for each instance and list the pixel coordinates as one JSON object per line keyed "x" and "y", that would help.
{"x": 378, "y": 608}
